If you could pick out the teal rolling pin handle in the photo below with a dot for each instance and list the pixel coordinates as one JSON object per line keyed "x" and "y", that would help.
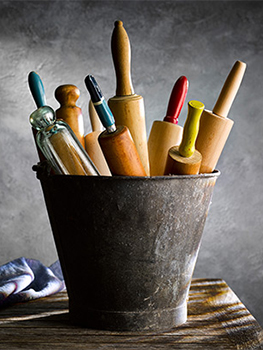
{"x": 38, "y": 92}
{"x": 37, "y": 89}
{"x": 101, "y": 106}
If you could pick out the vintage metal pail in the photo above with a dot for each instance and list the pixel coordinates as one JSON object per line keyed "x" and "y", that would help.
{"x": 127, "y": 245}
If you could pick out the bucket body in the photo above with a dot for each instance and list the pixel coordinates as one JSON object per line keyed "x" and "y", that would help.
{"x": 127, "y": 245}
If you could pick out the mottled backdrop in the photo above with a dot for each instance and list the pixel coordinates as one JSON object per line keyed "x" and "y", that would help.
{"x": 66, "y": 40}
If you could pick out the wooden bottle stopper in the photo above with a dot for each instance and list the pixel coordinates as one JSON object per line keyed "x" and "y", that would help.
{"x": 92, "y": 145}
{"x": 215, "y": 127}
{"x": 184, "y": 159}
{"x": 120, "y": 152}
{"x": 67, "y": 96}
{"x": 128, "y": 107}
{"x": 167, "y": 133}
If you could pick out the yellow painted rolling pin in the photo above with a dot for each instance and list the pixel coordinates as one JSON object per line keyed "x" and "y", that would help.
{"x": 128, "y": 107}
{"x": 185, "y": 159}
{"x": 215, "y": 126}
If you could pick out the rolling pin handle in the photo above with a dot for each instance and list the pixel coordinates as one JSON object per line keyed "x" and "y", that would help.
{"x": 67, "y": 95}
{"x": 176, "y": 100}
{"x": 230, "y": 89}
{"x": 121, "y": 54}
{"x": 37, "y": 89}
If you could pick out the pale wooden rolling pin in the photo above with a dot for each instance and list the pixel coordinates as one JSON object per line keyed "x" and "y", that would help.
{"x": 167, "y": 133}
{"x": 92, "y": 145}
{"x": 214, "y": 126}
{"x": 128, "y": 107}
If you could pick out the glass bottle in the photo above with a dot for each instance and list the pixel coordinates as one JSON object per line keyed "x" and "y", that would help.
{"x": 59, "y": 144}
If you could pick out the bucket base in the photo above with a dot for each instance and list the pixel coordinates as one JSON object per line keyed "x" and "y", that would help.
{"x": 158, "y": 320}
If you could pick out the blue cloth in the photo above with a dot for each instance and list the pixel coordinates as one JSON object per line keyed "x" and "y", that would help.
{"x": 27, "y": 279}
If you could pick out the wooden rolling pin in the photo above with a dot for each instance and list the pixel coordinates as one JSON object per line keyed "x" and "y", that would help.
{"x": 92, "y": 145}
{"x": 38, "y": 92}
{"x": 67, "y": 96}
{"x": 94, "y": 118}
{"x": 185, "y": 159}
{"x": 128, "y": 107}
{"x": 116, "y": 143}
{"x": 215, "y": 126}
{"x": 167, "y": 133}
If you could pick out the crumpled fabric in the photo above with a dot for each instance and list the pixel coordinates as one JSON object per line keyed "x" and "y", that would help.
{"x": 28, "y": 279}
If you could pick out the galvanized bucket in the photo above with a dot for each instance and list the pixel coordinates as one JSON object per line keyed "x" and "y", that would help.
{"x": 127, "y": 245}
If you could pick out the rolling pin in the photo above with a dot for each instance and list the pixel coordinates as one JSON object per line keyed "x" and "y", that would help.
{"x": 167, "y": 133}
{"x": 185, "y": 159}
{"x": 116, "y": 142}
{"x": 67, "y": 96}
{"x": 215, "y": 126}
{"x": 94, "y": 118}
{"x": 126, "y": 106}
{"x": 60, "y": 145}
{"x": 92, "y": 145}
{"x": 38, "y": 92}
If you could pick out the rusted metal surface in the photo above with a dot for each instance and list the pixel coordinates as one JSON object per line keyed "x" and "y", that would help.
{"x": 128, "y": 245}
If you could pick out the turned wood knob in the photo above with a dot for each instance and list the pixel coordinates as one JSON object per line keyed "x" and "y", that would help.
{"x": 67, "y": 96}
{"x": 121, "y": 54}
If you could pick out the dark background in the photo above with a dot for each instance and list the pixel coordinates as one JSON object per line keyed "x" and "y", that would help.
{"x": 66, "y": 40}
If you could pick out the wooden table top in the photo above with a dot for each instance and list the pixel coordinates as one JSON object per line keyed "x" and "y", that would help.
{"x": 216, "y": 320}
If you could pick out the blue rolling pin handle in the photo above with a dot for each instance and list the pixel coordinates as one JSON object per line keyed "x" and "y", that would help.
{"x": 37, "y": 89}
{"x": 101, "y": 106}
{"x": 104, "y": 112}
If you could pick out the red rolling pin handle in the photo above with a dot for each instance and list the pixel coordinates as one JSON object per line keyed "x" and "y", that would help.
{"x": 177, "y": 99}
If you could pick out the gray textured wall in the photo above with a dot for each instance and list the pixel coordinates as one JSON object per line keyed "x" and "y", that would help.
{"x": 65, "y": 41}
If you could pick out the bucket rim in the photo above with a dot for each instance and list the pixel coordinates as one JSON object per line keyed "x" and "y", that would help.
{"x": 43, "y": 171}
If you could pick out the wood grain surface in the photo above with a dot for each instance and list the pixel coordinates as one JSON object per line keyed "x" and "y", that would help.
{"x": 216, "y": 320}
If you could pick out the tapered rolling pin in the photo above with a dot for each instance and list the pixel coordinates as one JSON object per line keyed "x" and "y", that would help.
{"x": 67, "y": 96}
{"x": 38, "y": 92}
{"x": 215, "y": 126}
{"x": 116, "y": 143}
{"x": 167, "y": 133}
{"x": 185, "y": 159}
{"x": 128, "y": 107}
{"x": 92, "y": 145}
